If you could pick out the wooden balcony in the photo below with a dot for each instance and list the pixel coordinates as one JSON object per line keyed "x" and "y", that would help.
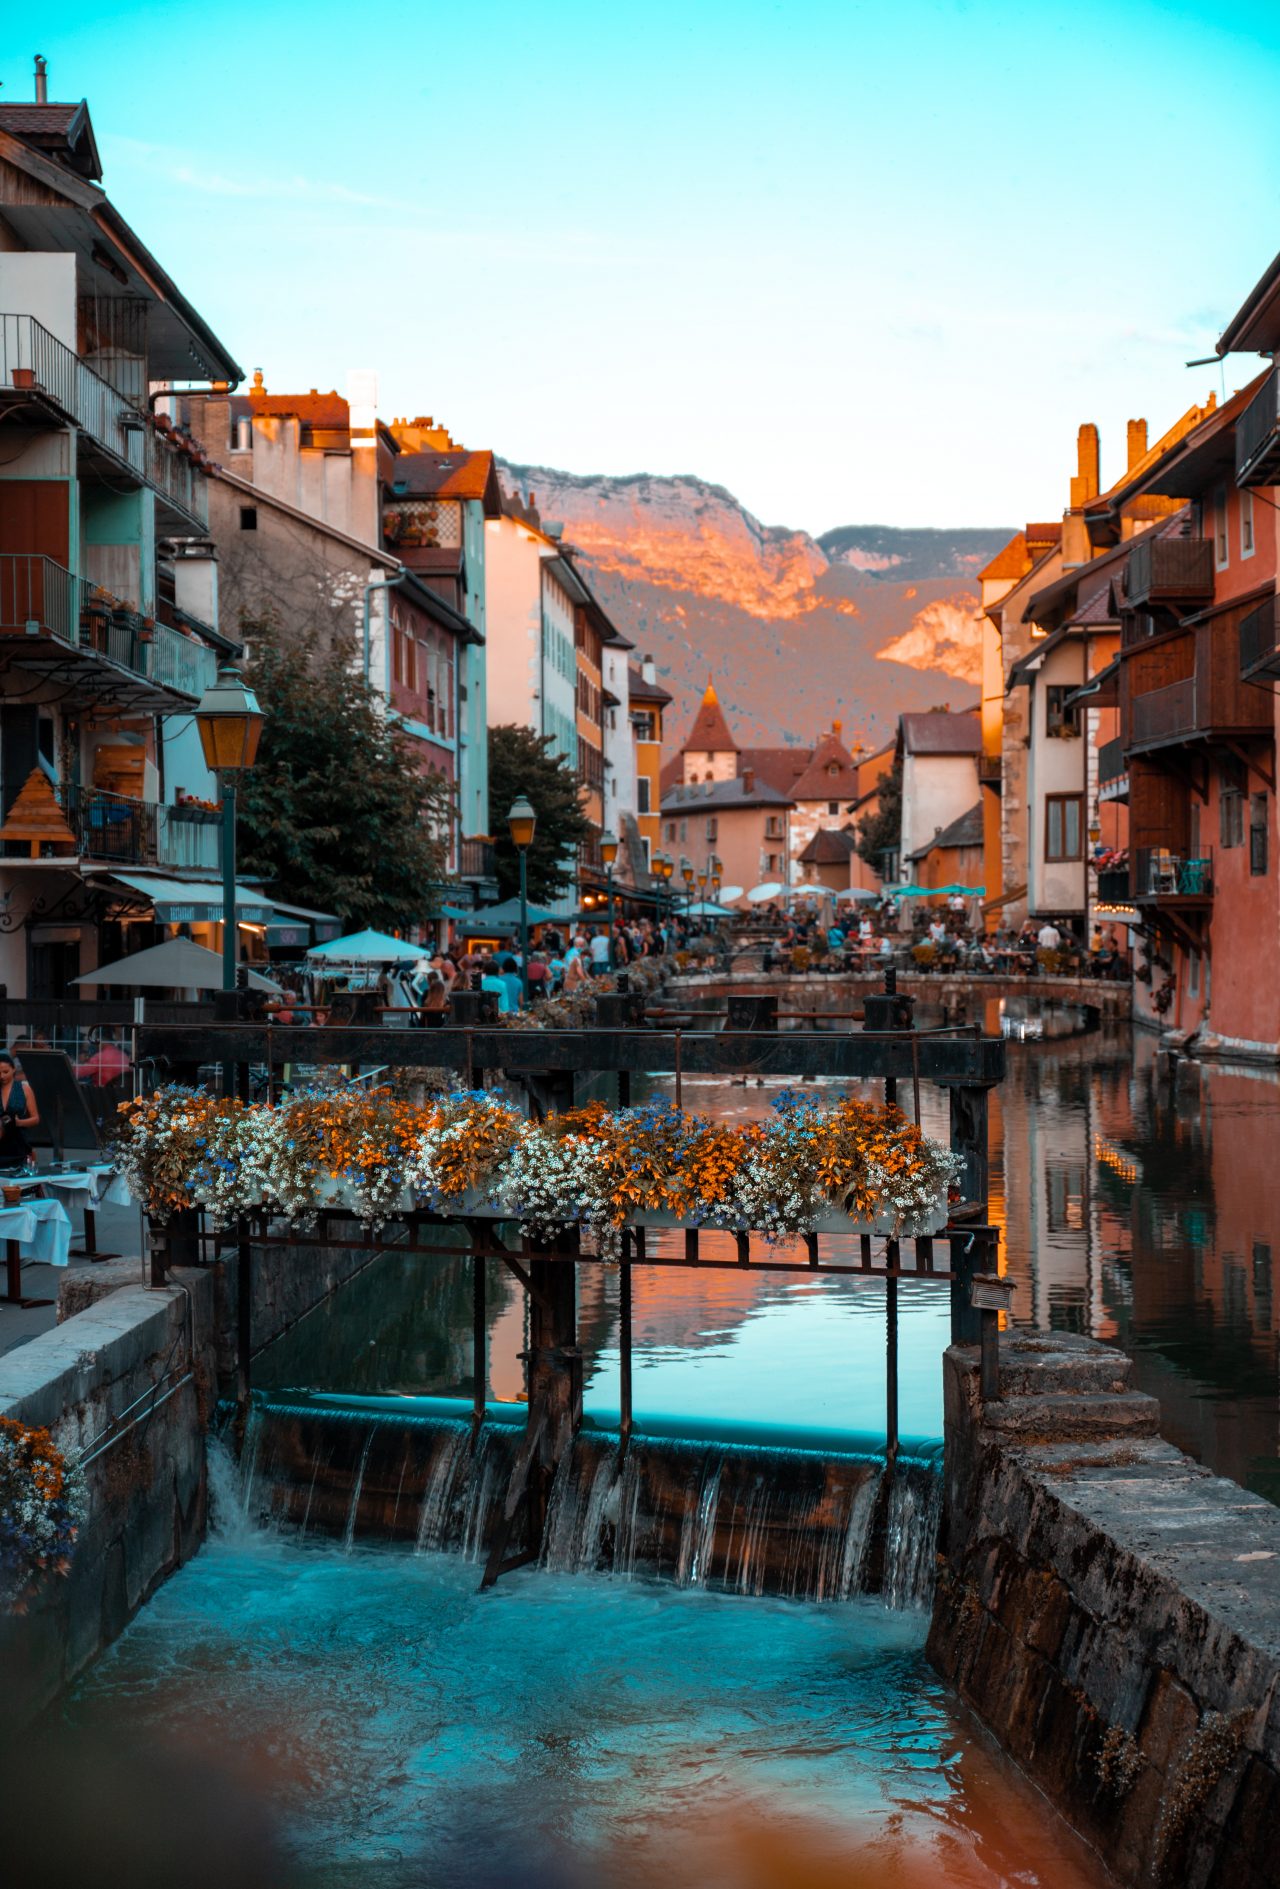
{"x": 1260, "y": 643}
{"x": 1169, "y": 570}
{"x": 1111, "y": 762}
{"x": 1175, "y": 880}
{"x": 476, "y": 859}
{"x": 990, "y": 769}
{"x": 1258, "y": 435}
{"x": 1212, "y": 703}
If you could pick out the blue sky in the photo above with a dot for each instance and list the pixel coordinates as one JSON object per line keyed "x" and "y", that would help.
{"x": 859, "y": 263}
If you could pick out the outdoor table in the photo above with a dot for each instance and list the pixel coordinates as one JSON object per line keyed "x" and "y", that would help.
{"x": 34, "y": 1230}
{"x": 82, "y": 1190}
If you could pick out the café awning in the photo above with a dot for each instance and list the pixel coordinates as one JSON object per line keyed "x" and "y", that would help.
{"x": 194, "y": 901}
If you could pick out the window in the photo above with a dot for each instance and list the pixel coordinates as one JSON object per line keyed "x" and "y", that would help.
{"x": 643, "y": 804}
{"x": 248, "y": 518}
{"x": 833, "y": 807}
{"x": 1062, "y": 825}
{"x": 1059, "y": 720}
{"x": 684, "y": 829}
{"x": 1193, "y": 974}
{"x": 1221, "y": 541}
{"x": 1246, "y": 524}
{"x": 1257, "y": 834}
{"x": 772, "y": 827}
{"x": 833, "y": 768}
{"x": 671, "y": 829}
{"x": 711, "y": 831}
{"x": 1230, "y": 807}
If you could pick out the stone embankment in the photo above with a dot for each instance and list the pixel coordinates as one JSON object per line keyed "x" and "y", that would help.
{"x": 1111, "y": 1610}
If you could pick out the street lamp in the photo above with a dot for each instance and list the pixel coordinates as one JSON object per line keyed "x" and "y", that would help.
{"x": 661, "y": 868}
{"x": 230, "y": 724}
{"x": 608, "y": 853}
{"x": 687, "y": 874}
{"x": 521, "y": 822}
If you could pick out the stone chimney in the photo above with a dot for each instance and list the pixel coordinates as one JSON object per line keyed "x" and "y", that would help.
{"x": 1086, "y": 484}
{"x": 1136, "y": 444}
{"x": 648, "y": 669}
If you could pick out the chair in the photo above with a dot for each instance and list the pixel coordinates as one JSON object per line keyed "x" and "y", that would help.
{"x": 1164, "y": 870}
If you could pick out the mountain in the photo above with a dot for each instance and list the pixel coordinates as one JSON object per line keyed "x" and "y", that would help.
{"x": 795, "y": 631}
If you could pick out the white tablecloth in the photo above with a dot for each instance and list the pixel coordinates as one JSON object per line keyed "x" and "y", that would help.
{"x": 78, "y": 1188}
{"x": 42, "y": 1229}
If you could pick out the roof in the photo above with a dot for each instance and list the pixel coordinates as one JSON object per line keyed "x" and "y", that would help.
{"x": 65, "y": 132}
{"x": 941, "y": 732}
{"x": 966, "y": 831}
{"x": 1136, "y": 478}
{"x": 455, "y": 474}
{"x": 817, "y": 782}
{"x": 1206, "y": 452}
{"x": 710, "y": 731}
{"x": 830, "y": 846}
{"x": 722, "y": 796}
{"x": 1098, "y": 607}
{"x": 1011, "y": 561}
{"x": 317, "y": 409}
{"x": 640, "y": 689}
{"x": 1255, "y": 326}
{"x": 1107, "y": 563}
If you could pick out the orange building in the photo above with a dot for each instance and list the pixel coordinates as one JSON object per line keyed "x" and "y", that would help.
{"x": 647, "y": 701}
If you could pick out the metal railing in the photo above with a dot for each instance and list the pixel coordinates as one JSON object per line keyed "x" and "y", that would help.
{"x": 1260, "y": 641}
{"x": 1258, "y": 434}
{"x": 990, "y": 769}
{"x": 188, "y": 837}
{"x": 1176, "y": 569}
{"x": 33, "y": 360}
{"x": 130, "y": 832}
{"x": 1160, "y": 873}
{"x": 1112, "y": 765}
{"x": 37, "y": 596}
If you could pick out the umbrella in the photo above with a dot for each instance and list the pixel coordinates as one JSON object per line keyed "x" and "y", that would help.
{"x": 506, "y": 917}
{"x": 769, "y": 890}
{"x": 705, "y": 908}
{"x": 366, "y": 947}
{"x": 728, "y": 893}
{"x": 453, "y": 911}
{"x": 859, "y": 895}
{"x": 177, "y": 964}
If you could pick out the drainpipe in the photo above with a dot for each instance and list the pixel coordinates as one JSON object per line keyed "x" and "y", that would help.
{"x": 378, "y": 583}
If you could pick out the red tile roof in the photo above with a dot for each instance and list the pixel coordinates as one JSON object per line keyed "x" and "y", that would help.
{"x": 941, "y": 732}
{"x": 829, "y": 846}
{"x": 1013, "y": 560}
{"x": 640, "y": 689}
{"x": 456, "y": 474}
{"x": 818, "y": 782}
{"x": 315, "y": 408}
{"x": 710, "y": 731}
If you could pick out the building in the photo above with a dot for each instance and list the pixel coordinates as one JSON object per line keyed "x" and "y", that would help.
{"x": 819, "y": 796}
{"x": 648, "y": 702}
{"x": 744, "y": 822}
{"x": 938, "y": 752}
{"x": 108, "y": 588}
{"x": 828, "y": 859}
{"x": 954, "y": 856}
{"x": 323, "y": 518}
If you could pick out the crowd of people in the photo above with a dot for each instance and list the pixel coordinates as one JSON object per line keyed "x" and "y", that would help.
{"x": 942, "y": 938}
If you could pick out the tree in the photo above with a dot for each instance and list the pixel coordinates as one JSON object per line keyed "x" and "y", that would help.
{"x": 339, "y": 812}
{"x": 521, "y": 762}
{"x": 882, "y": 833}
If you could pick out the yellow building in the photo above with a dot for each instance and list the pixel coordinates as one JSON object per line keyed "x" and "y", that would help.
{"x": 647, "y": 701}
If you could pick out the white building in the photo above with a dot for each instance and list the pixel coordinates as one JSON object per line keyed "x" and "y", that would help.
{"x": 939, "y": 753}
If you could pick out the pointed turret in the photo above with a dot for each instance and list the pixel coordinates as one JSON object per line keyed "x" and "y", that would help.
{"x": 710, "y": 731}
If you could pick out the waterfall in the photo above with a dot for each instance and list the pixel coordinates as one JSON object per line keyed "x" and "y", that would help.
{"x": 747, "y": 1517}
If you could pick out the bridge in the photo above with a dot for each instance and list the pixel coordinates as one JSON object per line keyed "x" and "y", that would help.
{"x": 817, "y": 994}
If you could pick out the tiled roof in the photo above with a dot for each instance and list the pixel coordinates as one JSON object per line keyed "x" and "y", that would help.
{"x": 317, "y": 409}
{"x": 457, "y": 474}
{"x": 817, "y": 782}
{"x": 640, "y": 689}
{"x": 63, "y": 132}
{"x": 50, "y": 119}
{"x": 830, "y": 846}
{"x": 1097, "y": 607}
{"x": 721, "y": 796}
{"x": 941, "y": 732}
{"x": 781, "y": 767}
{"x": 1014, "y": 560}
{"x": 966, "y": 831}
{"x": 710, "y": 731}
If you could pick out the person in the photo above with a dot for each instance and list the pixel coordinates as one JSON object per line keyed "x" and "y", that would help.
{"x": 835, "y": 939}
{"x": 435, "y": 1001}
{"x": 18, "y": 1112}
{"x": 575, "y": 968}
{"x": 510, "y": 975}
{"x": 937, "y": 934}
{"x": 539, "y": 976}
{"x": 886, "y": 949}
{"x": 492, "y": 982}
{"x": 1049, "y": 938}
{"x": 599, "y": 949}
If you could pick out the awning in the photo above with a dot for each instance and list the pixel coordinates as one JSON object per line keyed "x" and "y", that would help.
{"x": 194, "y": 901}
{"x": 299, "y": 925}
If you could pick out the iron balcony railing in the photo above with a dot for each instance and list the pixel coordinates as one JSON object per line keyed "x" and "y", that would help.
{"x": 36, "y": 362}
{"x": 122, "y": 831}
{"x": 1112, "y": 765}
{"x": 1260, "y": 641}
{"x": 1169, "y": 570}
{"x": 1159, "y": 873}
{"x": 38, "y": 597}
{"x": 990, "y": 767}
{"x": 1258, "y": 435}
{"x": 1113, "y": 886}
{"x": 476, "y": 859}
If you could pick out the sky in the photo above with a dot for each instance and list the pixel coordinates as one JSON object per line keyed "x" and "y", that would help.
{"x": 861, "y": 264}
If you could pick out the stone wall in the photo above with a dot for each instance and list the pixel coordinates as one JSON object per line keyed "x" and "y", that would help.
{"x": 1111, "y": 1610}
{"x": 130, "y": 1383}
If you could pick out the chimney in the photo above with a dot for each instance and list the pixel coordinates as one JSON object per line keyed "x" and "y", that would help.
{"x": 648, "y": 669}
{"x": 748, "y": 780}
{"x": 1085, "y": 485}
{"x": 1136, "y": 443}
{"x": 42, "y": 79}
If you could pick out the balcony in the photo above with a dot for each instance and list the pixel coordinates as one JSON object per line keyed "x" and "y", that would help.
{"x": 1113, "y": 886}
{"x": 1258, "y": 435}
{"x": 1211, "y": 703}
{"x": 37, "y": 371}
{"x": 990, "y": 769}
{"x": 1169, "y": 570}
{"x": 1161, "y": 877}
{"x": 115, "y": 829}
{"x": 1112, "y": 766}
{"x": 39, "y": 601}
{"x": 476, "y": 860}
{"x": 1260, "y": 643}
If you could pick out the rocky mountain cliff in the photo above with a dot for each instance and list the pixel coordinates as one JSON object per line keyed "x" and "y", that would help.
{"x": 858, "y": 625}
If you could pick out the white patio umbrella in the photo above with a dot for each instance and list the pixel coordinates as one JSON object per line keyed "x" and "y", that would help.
{"x": 759, "y": 894}
{"x": 177, "y": 964}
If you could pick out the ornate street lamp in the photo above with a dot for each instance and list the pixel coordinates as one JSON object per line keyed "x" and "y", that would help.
{"x": 230, "y": 724}
{"x": 522, "y": 822}
{"x": 687, "y": 874}
{"x": 608, "y": 853}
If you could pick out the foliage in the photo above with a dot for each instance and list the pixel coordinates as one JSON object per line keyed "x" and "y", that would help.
{"x": 338, "y": 813}
{"x": 881, "y": 833}
{"x": 588, "y": 1167}
{"x": 521, "y": 762}
{"x": 42, "y": 1503}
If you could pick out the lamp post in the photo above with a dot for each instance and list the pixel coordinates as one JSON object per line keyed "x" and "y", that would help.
{"x": 687, "y": 874}
{"x": 608, "y": 853}
{"x": 521, "y": 822}
{"x": 230, "y": 724}
{"x": 660, "y": 867}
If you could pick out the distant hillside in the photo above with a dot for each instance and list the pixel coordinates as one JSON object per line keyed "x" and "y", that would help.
{"x": 795, "y": 631}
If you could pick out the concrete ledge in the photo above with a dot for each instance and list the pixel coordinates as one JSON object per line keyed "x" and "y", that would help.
{"x": 1112, "y": 1611}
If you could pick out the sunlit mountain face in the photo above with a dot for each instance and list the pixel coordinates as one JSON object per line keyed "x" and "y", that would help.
{"x": 858, "y": 625}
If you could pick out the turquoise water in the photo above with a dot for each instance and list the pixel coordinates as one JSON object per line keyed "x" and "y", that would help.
{"x": 404, "y": 1729}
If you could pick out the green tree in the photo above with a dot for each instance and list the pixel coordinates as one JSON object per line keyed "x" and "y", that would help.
{"x": 882, "y": 833}
{"x": 338, "y": 813}
{"x": 521, "y": 762}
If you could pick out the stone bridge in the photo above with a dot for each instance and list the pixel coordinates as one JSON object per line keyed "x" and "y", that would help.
{"x": 844, "y": 990}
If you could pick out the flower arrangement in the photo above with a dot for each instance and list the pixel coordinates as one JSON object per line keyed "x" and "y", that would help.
{"x": 589, "y": 1167}
{"x": 42, "y": 1503}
